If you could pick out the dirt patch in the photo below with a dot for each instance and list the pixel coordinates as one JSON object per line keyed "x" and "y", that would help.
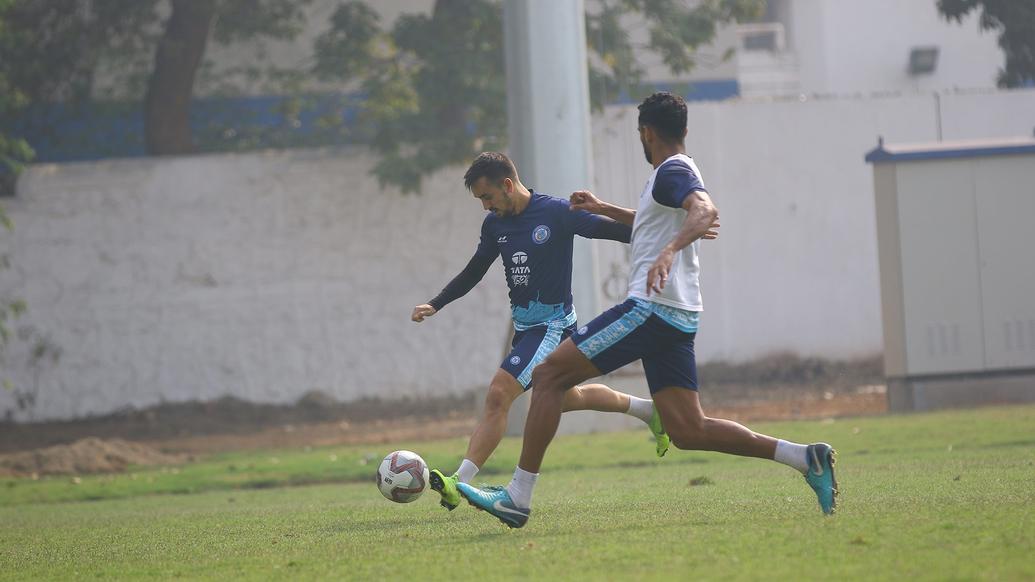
{"x": 323, "y": 434}
{"x": 89, "y": 455}
{"x": 230, "y": 417}
{"x": 863, "y": 401}
{"x": 779, "y": 387}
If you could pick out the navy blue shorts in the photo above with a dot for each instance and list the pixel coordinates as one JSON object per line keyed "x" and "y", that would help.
{"x": 531, "y": 346}
{"x": 643, "y": 330}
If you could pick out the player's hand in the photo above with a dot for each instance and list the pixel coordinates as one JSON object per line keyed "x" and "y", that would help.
{"x": 422, "y": 311}
{"x": 657, "y": 276}
{"x": 585, "y": 200}
{"x": 713, "y": 231}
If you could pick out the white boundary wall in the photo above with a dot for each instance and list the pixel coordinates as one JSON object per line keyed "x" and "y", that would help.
{"x": 267, "y": 275}
{"x": 261, "y": 275}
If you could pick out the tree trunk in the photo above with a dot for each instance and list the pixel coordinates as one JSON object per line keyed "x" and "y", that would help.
{"x": 167, "y": 104}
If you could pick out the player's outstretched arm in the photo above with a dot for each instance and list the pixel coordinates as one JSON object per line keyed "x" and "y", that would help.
{"x": 457, "y": 288}
{"x": 701, "y": 214}
{"x": 586, "y": 200}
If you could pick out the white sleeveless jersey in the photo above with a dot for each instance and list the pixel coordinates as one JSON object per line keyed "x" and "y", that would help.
{"x": 654, "y": 227}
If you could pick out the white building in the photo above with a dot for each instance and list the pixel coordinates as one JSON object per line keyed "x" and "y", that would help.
{"x": 834, "y": 47}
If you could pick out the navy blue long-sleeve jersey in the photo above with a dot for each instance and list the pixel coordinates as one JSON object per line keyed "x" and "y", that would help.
{"x": 536, "y": 247}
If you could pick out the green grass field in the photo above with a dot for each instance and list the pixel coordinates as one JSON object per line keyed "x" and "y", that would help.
{"x": 937, "y": 496}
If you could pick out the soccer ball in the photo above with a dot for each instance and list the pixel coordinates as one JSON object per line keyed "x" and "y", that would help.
{"x": 402, "y": 476}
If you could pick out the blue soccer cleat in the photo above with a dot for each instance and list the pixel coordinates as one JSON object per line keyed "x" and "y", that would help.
{"x": 820, "y": 475}
{"x": 497, "y": 501}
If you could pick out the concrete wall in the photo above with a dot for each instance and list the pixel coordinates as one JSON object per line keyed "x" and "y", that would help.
{"x": 262, "y": 276}
{"x": 267, "y": 275}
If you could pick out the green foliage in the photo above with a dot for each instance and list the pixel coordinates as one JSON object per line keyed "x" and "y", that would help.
{"x": 256, "y": 22}
{"x": 348, "y": 49}
{"x": 55, "y": 51}
{"x": 435, "y": 84}
{"x": 42, "y": 350}
{"x": 53, "y": 47}
{"x": 926, "y": 496}
{"x": 1014, "y": 20}
{"x": 675, "y": 32}
{"x": 14, "y": 152}
{"x": 429, "y": 82}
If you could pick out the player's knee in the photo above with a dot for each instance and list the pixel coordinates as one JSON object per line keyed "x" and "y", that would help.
{"x": 549, "y": 376}
{"x": 497, "y": 401}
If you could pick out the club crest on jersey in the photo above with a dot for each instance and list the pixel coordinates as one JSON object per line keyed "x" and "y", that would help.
{"x": 515, "y": 360}
{"x": 541, "y": 234}
{"x": 519, "y": 258}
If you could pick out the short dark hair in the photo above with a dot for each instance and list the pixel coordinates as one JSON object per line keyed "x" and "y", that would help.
{"x": 666, "y": 113}
{"x": 491, "y": 165}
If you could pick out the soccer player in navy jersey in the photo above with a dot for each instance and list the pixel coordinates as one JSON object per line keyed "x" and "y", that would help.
{"x": 533, "y": 234}
{"x": 656, "y": 324}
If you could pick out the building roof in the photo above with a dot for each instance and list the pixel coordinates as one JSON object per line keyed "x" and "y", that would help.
{"x": 885, "y": 153}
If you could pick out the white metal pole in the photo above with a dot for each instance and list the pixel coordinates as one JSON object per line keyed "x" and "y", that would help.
{"x": 548, "y": 116}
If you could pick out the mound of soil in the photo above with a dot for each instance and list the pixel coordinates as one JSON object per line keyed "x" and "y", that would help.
{"x": 89, "y": 455}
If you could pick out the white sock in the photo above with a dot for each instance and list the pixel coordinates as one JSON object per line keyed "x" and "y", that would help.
{"x": 467, "y": 471}
{"x": 521, "y": 486}
{"x": 792, "y": 455}
{"x": 641, "y": 408}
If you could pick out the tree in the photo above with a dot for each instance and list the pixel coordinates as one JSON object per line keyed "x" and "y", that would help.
{"x": 1014, "y": 20}
{"x": 182, "y": 48}
{"x": 435, "y": 83}
{"x": 14, "y": 152}
{"x": 55, "y": 51}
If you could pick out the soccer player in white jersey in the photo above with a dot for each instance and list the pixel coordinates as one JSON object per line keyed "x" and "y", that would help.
{"x": 656, "y": 324}
{"x": 533, "y": 235}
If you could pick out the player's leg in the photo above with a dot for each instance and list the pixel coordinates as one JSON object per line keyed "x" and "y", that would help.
{"x": 671, "y": 375}
{"x": 486, "y": 437}
{"x": 493, "y": 423}
{"x": 597, "y": 397}
{"x": 528, "y": 348}
{"x": 559, "y": 373}
{"x": 690, "y": 429}
{"x": 564, "y": 368}
{"x": 602, "y": 398}
{"x": 605, "y": 344}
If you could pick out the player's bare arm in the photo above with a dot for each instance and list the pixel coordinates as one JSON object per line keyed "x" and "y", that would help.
{"x": 586, "y": 200}
{"x": 701, "y": 214}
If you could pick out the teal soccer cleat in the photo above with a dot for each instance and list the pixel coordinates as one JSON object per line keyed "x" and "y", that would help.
{"x": 496, "y": 501}
{"x": 820, "y": 475}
